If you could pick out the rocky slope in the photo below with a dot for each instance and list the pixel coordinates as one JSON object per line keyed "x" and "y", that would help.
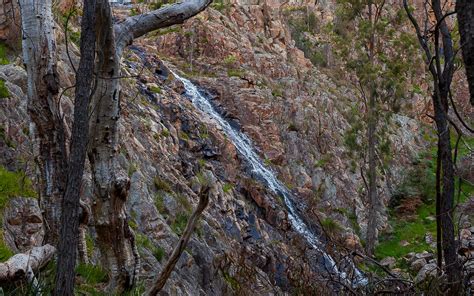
{"x": 244, "y": 57}
{"x": 296, "y": 114}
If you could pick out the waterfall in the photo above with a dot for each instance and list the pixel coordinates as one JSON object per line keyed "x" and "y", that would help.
{"x": 245, "y": 148}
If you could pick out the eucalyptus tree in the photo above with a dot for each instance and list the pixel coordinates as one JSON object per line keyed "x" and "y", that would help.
{"x": 439, "y": 54}
{"x": 377, "y": 53}
{"x": 110, "y": 183}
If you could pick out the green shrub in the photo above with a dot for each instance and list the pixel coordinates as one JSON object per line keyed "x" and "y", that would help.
{"x": 183, "y": 200}
{"x": 3, "y": 55}
{"x": 230, "y": 60}
{"x": 220, "y": 5}
{"x": 4, "y": 93}
{"x": 232, "y": 281}
{"x": 91, "y": 273}
{"x": 227, "y": 187}
{"x": 160, "y": 203}
{"x": 331, "y": 226}
{"x": 162, "y": 184}
{"x": 235, "y": 73}
{"x": 159, "y": 253}
{"x": 179, "y": 223}
{"x": 277, "y": 92}
{"x": 13, "y": 184}
{"x": 155, "y": 89}
{"x": 5, "y": 252}
{"x": 165, "y": 132}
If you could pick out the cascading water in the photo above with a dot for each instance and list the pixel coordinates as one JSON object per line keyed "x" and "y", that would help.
{"x": 244, "y": 146}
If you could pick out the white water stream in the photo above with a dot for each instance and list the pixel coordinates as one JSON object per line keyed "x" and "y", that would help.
{"x": 244, "y": 146}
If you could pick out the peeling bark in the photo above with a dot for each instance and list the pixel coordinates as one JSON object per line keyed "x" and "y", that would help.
{"x": 39, "y": 57}
{"x": 111, "y": 184}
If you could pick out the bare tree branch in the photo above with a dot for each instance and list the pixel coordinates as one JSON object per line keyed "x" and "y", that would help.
{"x": 137, "y": 26}
{"x": 166, "y": 272}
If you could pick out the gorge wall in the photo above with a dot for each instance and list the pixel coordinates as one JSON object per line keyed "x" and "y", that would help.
{"x": 243, "y": 55}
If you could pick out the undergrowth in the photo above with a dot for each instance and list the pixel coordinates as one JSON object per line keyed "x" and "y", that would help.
{"x": 418, "y": 184}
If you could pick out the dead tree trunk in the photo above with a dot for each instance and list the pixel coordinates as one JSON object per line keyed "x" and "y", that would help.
{"x": 39, "y": 50}
{"x": 178, "y": 250}
{"x": 111, "y": 183}
{"x": 465, "y": 11}
{"x": 18, "y": 266}
{"x": 68, "y": 243}
{"x": 441, "y": 66}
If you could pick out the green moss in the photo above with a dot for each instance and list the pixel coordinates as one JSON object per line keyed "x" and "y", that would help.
{"x": 91, "y": 273}
{"x": 4, "y": 93}
{"x": 179, "y": 223}
{"x": 143, "y": 241}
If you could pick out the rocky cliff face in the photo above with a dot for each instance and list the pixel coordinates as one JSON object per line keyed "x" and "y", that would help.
{"x": 244, "y": 57}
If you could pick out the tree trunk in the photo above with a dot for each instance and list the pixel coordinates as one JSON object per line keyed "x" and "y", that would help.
{"x": 441, "y": 110}
{"x": 68, "y": 244}
{"x": 18, "y": 266}
{"x": 439, "y": 237}
{"x": 465, "y": 11}
{"x": 447, "y": 199}
{"x": 111, "y": 183}
{"x": 372, "y": 176}
{"x": 39, "y": 50}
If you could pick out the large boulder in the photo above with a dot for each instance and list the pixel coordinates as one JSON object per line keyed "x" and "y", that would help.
{"x": 23, "y": 224}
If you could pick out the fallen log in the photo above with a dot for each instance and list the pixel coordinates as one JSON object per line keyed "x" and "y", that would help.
{"x": 22, "y": 266}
